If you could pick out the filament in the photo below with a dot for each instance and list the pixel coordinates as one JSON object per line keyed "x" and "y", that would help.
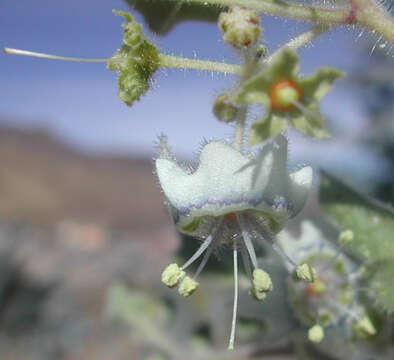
{"x": 246, "y": 262}
{"x": 264, "y": 234}
{"x": 235, "y": 303}
{"x": 203, "y": 261}
{"x": 49, "y": 56}
{"x": 247, "y": 241}
{"x": 203, "y": 247}
{"x": 313, "y": 115}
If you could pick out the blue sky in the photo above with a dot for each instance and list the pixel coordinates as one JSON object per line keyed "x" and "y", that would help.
{"x": 78, "y": 101}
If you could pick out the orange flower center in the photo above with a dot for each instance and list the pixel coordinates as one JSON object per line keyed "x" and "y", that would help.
{"x": 284, "y": 93}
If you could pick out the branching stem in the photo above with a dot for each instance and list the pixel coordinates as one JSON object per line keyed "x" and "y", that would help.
{"x": 365, "y": 13}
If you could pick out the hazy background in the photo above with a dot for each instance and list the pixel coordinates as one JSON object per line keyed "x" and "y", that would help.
{"x": 77, "y": 101}
{"x": 79, "y": 207}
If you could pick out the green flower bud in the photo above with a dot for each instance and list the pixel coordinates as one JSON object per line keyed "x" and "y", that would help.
{"x": 223, "y": 109}
{"x": 171, "y": 275}
{"x": 305, "y": 272}
{"x": 345, "y": 237}
{"x": 316, "y": 334}
{"x": 240, "y": 27}
{"x": 261, "y": 284}
{"x": 188, "y": 286}
{"x": 136, "y": 61}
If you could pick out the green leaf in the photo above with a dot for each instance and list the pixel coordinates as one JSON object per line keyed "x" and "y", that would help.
{"x": 135, "y": 307}
{"x": 373, "y": 226}
{"x": 163, "y": 15}
{"x": 136, "y": 61}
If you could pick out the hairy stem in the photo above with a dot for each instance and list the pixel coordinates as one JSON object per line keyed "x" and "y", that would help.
{"x": 364, "y": 13}
{"x": 299, "y": 41}
{"x": 167, "y": 61}
{"x": 170, "y": 61}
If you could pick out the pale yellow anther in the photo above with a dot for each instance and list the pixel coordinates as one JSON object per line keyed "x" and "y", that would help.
{"x": 187, "y": 287}
{"x": 364, "y": 328}
{"x": 261, "y": 284}
{"x": 345, "y": 237}
{"x": 316, "y": 334}
{"x": 171, "y": 275}
{"x": 305, "y": 272}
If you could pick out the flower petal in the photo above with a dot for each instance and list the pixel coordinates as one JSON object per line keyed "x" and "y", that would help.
{"x": 227, "y": 181}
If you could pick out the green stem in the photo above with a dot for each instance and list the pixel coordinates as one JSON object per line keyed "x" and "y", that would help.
{"x": 170, "y": 61}
{"x": 364, "y": 13}
{"x": 299, "y": 41}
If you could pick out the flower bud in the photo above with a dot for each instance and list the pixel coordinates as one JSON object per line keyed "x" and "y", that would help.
{"x": 240, "y": 27}
{"x": 223, "y": 109}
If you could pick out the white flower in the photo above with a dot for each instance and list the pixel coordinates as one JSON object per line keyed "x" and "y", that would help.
{"x": 235, "y": 198}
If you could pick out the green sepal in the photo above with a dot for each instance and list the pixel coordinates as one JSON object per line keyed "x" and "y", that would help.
{"x": 306, "y": 116}
{"x": 257, "y": 88}
{"x": 311, "y": 123}
{"x": 269, "y": 126}
{"x": 136, "y": 61}
{"x": 319, "y": 84}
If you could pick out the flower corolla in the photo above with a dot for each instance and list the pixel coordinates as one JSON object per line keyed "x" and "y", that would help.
{"x": 232, "y": 198}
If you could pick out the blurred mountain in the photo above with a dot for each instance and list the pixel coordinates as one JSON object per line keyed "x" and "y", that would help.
{"x": 43, "y": 181}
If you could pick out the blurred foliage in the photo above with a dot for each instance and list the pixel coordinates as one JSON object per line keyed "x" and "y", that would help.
{"x": 376, "y": 88}
{"x": 373, "y": 226}
{"x": 163, "y": 15}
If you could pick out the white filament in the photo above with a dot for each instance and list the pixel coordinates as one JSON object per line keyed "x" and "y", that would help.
{"x": 49, "y": 56}
{"x": 235, "y": 303}
{"x": 247, "y": 241}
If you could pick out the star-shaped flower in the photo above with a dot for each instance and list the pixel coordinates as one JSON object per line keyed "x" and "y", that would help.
{"x": 332, "y": 298}
{"x": 289, "y": 99}
{"x": 231, "y": 198}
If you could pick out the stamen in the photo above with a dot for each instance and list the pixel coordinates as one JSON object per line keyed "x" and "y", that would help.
{"x": 353, "y": 315}
{"x": 265, "y": 235}
{"x": 49, "y": 56}
{"x": 246, "y": 263}
{"x": 247, "y": 241}
{"x": 235, "y": 303}
{"x": 203, "y": 246}
{"x": 203, "y": 262}
{"x": 313, "y": 115}
{"x": 332, "y": 261}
